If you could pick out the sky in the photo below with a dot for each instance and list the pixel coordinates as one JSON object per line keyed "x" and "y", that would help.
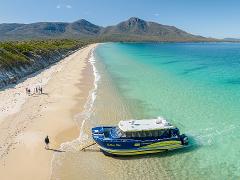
{"x": 209, "y": 18}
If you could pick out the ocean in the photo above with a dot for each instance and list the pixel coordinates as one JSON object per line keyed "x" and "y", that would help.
{"x": 194, "y": 85}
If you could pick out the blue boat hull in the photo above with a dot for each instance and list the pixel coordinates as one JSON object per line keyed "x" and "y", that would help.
{"x": 126, "y": 147}
{"x": 126, "y": 152}
{"x": 130, "y": 153}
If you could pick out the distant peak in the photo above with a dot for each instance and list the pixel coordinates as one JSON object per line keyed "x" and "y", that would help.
{"x": 131, "y": 29}
{"x": 135, "y": 19}
{"x": 83, "y": 22}
{"x": 80, "y": 20}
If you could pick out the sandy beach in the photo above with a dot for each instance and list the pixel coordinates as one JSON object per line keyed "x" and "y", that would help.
{"x": 26, "y": 120}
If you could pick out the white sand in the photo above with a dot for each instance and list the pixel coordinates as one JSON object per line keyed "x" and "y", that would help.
{"x": 26, "y": 120}
{"x": 13, "y": 97}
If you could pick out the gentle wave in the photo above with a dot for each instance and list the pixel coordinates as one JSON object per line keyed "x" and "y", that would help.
{"x": 88, "y": 107}
{"x": 207, "y": 136}
{"x": 80, "y": 119}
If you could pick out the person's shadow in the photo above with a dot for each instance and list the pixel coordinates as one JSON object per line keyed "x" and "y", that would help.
{"x": 55, "y": 150}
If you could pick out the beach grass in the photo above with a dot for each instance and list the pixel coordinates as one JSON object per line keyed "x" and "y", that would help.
{"x": 15, "y": 53}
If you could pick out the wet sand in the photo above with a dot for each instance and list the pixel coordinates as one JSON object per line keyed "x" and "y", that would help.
{"x": 22, "y": 133}
{"x": 108, "y": 109}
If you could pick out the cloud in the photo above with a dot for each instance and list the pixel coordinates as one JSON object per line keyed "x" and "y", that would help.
{"x": 68, "y": 6}
{"x": 64, "y": 6}
{"x": 156, "y": 14}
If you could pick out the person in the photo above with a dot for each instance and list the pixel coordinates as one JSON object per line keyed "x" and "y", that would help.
{"x": 47, "y": 142}
{"x": 40, "y": 89}
{"x": 28, "y": 91}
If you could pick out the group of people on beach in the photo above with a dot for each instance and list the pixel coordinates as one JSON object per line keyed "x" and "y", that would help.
{"x": 35, "y": 90}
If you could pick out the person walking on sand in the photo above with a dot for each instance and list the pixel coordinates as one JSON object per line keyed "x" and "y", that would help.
{"x": 40, "y": 89}
{"x": 47, "y": 142}
{"x": 26, "y": 90}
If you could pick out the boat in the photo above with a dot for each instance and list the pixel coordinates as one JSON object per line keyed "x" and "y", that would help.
{"x": 134, "y": 137}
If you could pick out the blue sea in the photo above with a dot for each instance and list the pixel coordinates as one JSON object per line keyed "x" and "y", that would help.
{"x": 196, "y": 86}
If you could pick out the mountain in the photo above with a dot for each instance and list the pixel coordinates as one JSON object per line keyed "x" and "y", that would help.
{"x": 231, "y": 39}
{"x": 84, "y": 28}
{"x": 47, "y": 30}
{"x": 138, "y": 29}
{"x": 134, "y": 29}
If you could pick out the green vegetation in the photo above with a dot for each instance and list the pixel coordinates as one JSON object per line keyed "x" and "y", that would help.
{"x": 16, "y": 53}
{"x": 133, "y": 29}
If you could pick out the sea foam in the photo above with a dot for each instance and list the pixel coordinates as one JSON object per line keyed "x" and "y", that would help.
{"x": 80, "y": 118}
{"x": 85, "y": 115}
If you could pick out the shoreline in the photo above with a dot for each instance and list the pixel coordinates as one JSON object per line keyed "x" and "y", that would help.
{"x": 40, "y": 77}
{"x": 22, "y": 144}
{"x": 91, "y": 75}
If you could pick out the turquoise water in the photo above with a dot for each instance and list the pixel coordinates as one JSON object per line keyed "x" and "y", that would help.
{"x": 194, "y": 85}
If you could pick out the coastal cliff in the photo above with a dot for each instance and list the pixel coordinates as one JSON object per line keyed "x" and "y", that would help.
{"x": 20, "y": 59}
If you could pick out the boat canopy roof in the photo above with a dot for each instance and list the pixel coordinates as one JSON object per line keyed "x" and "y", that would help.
{"x": 144, "y": 125}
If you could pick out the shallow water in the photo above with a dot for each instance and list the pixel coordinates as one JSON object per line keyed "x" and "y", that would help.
{"x": 195, "y": 85}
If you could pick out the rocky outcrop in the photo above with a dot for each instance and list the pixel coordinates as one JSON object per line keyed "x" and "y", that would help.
{"x": 13, "y": 75}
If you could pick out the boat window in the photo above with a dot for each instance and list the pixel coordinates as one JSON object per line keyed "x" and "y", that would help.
{"x": 140, "y": 134}
{"x": 149, "y": 133}
{"x": 160, "y": 133}
{"x": 137, "y": 134}
{"x": 155, "y": 133}
{"x": 119, "y": 132}
{"x": 132, "y": 134}
{"x": 123, "y": 134}
{"x": 144, "y": 134}
{"x": 128, "y": 134}
{"x": 166, "y": 134}
{"x": 174, "y": 132}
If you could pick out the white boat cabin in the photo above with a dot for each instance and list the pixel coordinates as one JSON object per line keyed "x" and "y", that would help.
{"x": 144, "y": 125}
